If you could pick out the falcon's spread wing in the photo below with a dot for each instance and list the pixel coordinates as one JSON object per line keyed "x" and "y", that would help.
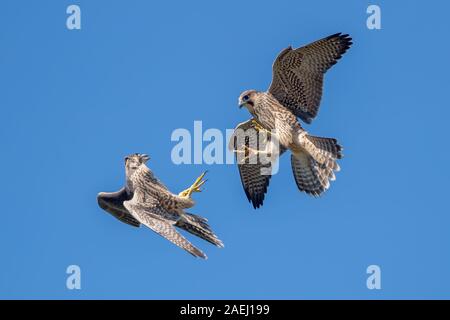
{"x": 112, "y": 202}
{"x": 253, "y": 181}
{"x": 153, "y": 215}
{"x": 298, "y": 74}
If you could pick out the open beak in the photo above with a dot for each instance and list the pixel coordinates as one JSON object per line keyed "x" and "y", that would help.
{"x": 145, "y": 157}
{"x": 241, "y": 105}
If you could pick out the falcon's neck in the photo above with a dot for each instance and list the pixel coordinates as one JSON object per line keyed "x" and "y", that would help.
{"x": 263, "y": 110}
{"x": 141, "y": 177}
{"x": 133, "y": 178}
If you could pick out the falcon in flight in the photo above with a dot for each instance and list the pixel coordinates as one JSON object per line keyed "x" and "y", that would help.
{"x": 295, "y": 92}
{"x": 145, "y": 200}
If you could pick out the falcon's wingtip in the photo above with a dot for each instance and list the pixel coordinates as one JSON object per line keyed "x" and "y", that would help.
{"x": 199, "y": 254}
{"x": 345, "y": 39}
{"x": 257, "y": 202}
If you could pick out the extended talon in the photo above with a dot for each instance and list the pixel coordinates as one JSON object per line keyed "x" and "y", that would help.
{"x": 258, "y": 126}
{"x": 195, "y": 187}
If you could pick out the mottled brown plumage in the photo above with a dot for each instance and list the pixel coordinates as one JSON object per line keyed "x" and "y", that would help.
{"x": 145, "y": 200}
{"x": 298, "y": 74}
{"x": 295, "y": 91}
{"x": 255, "y": 173}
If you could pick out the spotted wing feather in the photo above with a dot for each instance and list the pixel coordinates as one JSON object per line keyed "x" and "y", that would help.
{"x": 151, "y": 216}
{"x": 298, "y": 74}
{"x": 112, "y": 202}
{"x": 254, "y": 175}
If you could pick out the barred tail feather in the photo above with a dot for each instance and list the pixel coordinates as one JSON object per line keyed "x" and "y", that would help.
{"x": 308, "y": 175}
{"x": 198, "y": 219}
{"x": 314, "y": 165}
{"x": 328, "y": 145}
{"x": 199, "y": 227}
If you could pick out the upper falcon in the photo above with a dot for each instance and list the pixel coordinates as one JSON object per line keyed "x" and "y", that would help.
{"x": 295, "y": 91}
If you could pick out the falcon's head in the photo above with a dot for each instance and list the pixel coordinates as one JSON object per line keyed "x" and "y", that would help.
{"x": 246, "y": 99}
{"x": 134, "y": 161}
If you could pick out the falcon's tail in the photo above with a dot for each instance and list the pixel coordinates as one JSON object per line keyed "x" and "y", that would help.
{"x": 327, "y": 145}
{"x": 199, "y": 226}
{"x": 314, "y": 165}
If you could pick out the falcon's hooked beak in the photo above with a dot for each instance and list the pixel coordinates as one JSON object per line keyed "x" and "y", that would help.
{"x": 242, "y": 103}
{"x": 245, "y": 100}
{"x": 145, "y": 158}
{"x": 247, "y": 104}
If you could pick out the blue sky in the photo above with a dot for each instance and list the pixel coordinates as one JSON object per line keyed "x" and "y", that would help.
{"x": 74, "y": 103}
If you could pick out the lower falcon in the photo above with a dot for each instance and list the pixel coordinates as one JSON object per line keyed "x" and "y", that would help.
{"x": 145, "y": 200}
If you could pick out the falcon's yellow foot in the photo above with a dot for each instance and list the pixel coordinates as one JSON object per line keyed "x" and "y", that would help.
{"x": 259, "y": 127}
{"x": 195, "y": 187}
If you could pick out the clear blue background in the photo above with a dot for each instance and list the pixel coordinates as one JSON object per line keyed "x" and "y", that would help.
{"x": 74, "y": 103}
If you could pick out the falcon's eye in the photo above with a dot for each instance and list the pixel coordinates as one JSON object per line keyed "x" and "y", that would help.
{"x": 245, "y": 98}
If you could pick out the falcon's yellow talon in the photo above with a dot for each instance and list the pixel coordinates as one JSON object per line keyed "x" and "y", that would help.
{"x": 258, "y": 127}
{"x": 195, "y": 187}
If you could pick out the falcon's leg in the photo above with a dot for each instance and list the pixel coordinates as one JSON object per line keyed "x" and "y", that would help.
{"x": 195, "y": 187}
{"x": 258, "y": 127}
{"x": 247, "y": 154}
{"x": 270, "y": 152}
